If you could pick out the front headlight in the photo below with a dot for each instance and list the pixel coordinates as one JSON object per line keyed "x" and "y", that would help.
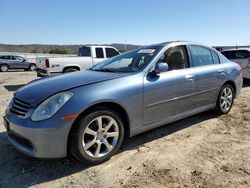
{"x": 50, "y": 106}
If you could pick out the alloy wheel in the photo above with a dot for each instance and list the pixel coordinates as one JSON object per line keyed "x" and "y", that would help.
{"x": 32, "y": 67}
{"x": 100, "y": 136}
{"x": 226, "y": 99}
{"x": 4, "y": 68}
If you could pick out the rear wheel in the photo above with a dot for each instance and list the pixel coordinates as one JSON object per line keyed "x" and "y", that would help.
{"x": 32, "y": 67}
{"x": 67, "y": 70}
{"x": 225, "y": 99}
{"x": 4, "y": 68}
{"x": 98, "y": 137}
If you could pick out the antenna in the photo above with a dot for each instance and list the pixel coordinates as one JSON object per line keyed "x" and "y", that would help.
{"x": 125, "y": 45}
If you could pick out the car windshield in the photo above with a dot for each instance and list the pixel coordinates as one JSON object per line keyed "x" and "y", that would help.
{"x": 132, "y": 61}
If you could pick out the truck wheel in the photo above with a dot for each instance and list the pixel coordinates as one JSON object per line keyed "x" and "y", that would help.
{"x": 4, "y": 68}
{"x": 97, "y": 138}
{"x": 67, "y": 70}
{"x": 32, "y": 67}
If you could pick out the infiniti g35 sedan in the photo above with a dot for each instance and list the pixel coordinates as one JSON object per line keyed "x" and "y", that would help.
{"x": 89, "y": 113}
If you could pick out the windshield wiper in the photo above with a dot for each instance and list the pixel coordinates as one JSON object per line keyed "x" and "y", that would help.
{"x": 103, "y": 70}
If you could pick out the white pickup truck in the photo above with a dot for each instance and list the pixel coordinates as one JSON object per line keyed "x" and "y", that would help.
{"x": 87, "y": 57}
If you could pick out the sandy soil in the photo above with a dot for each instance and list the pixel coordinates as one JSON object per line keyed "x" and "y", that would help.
{"x": 200, "y": 151}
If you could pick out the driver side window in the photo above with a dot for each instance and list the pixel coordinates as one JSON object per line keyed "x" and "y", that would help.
{"x": 176, "y": 58}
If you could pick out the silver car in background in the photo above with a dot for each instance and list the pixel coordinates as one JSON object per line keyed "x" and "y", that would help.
{"x": 242, "y": 57}
{"x": 15, "y": 62}
{"x": 89, "y": 113}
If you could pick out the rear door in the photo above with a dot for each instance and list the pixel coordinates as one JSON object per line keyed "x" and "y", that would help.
{"x": 210, "y": 74}
{"x": 11, "y": 61}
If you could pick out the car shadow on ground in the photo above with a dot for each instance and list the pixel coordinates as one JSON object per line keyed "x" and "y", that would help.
{"x": 246, "y": 83}
{"x": 13, "y": 87}
{"x": 165, "y": 130}
{"x": 16, "y": 70}
{"x": 16, "y": 167}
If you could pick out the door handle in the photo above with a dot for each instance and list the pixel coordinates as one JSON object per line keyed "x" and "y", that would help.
{"x": 189, "y": 77}
{"x": 221, "y": 71}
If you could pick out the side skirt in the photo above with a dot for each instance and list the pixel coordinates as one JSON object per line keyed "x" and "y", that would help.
{"x": 172, "y": 119}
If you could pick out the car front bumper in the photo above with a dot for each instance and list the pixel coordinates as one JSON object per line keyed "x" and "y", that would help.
{"x": 44, "y": 139}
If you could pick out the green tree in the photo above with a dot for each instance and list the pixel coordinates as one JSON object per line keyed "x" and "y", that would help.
{"x": 58, "y": 51}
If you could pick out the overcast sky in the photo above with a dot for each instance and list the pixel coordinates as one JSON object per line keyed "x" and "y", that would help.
{"x": 212, "y": 22}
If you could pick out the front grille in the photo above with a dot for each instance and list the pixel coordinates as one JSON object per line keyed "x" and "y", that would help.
{"x": 19, "y": 107}
{"x": 20, "y": 140}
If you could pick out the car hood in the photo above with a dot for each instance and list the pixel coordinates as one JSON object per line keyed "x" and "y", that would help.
{"x": 38, "y": 90}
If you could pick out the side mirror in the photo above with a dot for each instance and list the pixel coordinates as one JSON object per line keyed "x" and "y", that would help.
{"x": 160, "y": 67}
{"x": 24, "y": 60}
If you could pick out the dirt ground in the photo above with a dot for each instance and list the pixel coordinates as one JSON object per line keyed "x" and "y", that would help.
{"x": 200, "y": 151}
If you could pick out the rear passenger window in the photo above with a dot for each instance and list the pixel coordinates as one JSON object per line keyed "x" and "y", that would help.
{"x": 242, "y": 54}
{"x": 10, "y": 57}
{"x": 99, "y": 53}
{"x": 111, "y": 52}
{"x": 229, "y": 54}
{"x": 215, "y": 57}
{"x": 237, "y": 54}
{"x": 201, "y": 56}
{"x": 84, "y": 51}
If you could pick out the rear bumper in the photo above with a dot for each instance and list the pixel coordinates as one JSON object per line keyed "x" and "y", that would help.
{"x": 238, "y": 84}
{"x": 41, "y": 72}
{"x": 45, "y": 73}
{"x": 246, "y": 73}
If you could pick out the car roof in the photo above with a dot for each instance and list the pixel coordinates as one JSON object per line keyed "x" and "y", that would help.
{"x": 248, "y": 49}
{"x": 100, "y": 46}
{"x": 181, "y": 42}
{"x": 171, "y": 42}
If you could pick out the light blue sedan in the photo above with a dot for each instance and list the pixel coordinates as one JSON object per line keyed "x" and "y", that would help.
{"x": 89, "y": 113}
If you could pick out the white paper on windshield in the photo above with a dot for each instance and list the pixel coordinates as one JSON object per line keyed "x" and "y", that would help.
{"x": 146, "y": 51}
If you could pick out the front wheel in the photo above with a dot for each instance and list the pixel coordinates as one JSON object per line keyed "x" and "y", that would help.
{"x": 98, "y": 137}
{"x": 225, "y": 99}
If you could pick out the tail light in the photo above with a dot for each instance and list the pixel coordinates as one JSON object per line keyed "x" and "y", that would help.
{"x": 47, "y": 63}
{"x": 241, "y": 70}
{"x": 248, "y": 63}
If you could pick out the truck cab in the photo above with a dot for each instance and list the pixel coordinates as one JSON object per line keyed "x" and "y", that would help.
{"x": 87, "y": 57}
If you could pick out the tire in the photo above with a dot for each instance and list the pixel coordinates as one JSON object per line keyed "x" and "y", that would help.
{"x": 4, "y": 68}
{"x": 225, "y": 99}
{"x": 32, "y": 67}
{"x": 68, "y": 70}
{"x": 91, "y": 143}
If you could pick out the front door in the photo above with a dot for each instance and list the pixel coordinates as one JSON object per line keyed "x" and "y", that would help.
{"x": 169, "y": 93}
